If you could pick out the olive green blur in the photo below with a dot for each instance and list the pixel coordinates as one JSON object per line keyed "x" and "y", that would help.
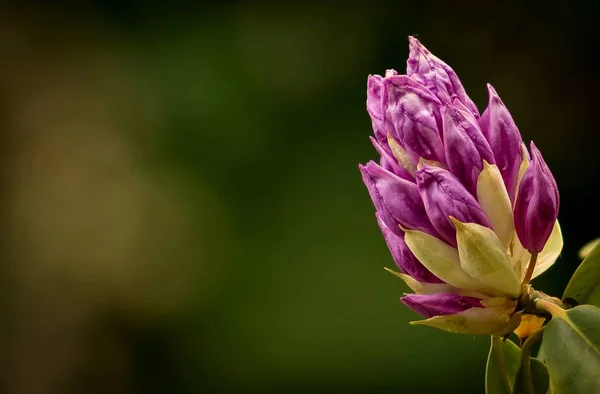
{"x": 182, "y": 207}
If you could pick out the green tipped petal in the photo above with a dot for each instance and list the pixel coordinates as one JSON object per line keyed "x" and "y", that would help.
{"x": 495, "y": 202}
{"x": 483, "y": 257}
{"x": 441, "y": 259}
{"x": 551, "y": 251}
{"x": 498, "y": 320}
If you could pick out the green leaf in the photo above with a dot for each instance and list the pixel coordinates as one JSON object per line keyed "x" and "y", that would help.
{"x": 571, "y": 347}
{"x": 502, "y": 365}
{"x": 584, "y": 286}
{"x": 532, "y": 379}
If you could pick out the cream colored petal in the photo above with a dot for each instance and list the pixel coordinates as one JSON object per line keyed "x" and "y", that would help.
{"x": 433, "y": 163}
{"x": 587, "y": 248}
{"x": 433, "y": 288}
{"x": 498, "y": 320}
{"x": 550, "y": 253}
{"x": 492, "y": 302}
{"x": 483, "y": 257}
{"x": 401, "y": 155}
{"x": 522, "y": 169}
{"x": 441, "y": 259}
{"x": 494, "y": 200}
{"x": 420, "y": 287}
{"x": 518, "y": 256}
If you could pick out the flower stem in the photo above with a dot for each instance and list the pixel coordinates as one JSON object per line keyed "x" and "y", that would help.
{"x": 530, "y": 268}
{"x": 549, "y": 307}
{"x": 526, "y": 358}
{"x": 498, "y": 343}
{"x": 532, "y": 340}
{"x": 537, "y": 303}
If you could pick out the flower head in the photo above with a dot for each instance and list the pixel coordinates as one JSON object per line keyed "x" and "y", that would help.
{"x": 462, "y": 207}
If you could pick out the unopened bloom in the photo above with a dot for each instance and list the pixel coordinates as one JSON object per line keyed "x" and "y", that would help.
{"x": 460, "y": 202}
{"x": 536, "y": 206}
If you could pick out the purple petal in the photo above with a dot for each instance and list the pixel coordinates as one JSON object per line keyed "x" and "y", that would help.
{"x": 437, "y": 76}
{"x": 390, "y": 163}
{"x": 537, "y": 203}
{"x": 503, "y": 135}
{"x": 404, "y": 258}
{"x": 411, "y": 116}
{"x": 465, "y": 146}
{"x": 374, "y": 106}
{"x": 430, "y": 305}
{"x": 396, "y": 200}
{"x": 444, "y": 196}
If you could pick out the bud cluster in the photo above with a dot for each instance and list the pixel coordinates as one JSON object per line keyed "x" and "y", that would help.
{"x": 464, "y": 207}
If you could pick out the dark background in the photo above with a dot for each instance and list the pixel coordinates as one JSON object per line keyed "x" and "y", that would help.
{"x": 182, "y": 209}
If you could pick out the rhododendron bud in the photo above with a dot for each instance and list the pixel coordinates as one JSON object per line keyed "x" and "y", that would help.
{"x": 467, "y": 217}
{"x": 536, "y": 206}
{"x": 504, "y": 138}
{"x": 396, "y": 200}
{"x": 445, "y": 197}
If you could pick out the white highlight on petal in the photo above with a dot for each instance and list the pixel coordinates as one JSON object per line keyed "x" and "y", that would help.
{"x": 551, "y": 251}
{"x": 390, "y": 73}
{"x": 483, "y": 257}
{"x": 495, "y": 202}
{"x": 401, "y": 155}
{"x": 495, "y": 320}
{"x": 441, "y": 259}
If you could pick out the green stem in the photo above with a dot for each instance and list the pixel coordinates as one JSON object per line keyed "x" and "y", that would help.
{"x": 545, "y": 306}
{"x": 535, "y": 302}
{"x": 533, "y": 338}
{"x": 498, "y": 344}
{"x": 525, "y": 359}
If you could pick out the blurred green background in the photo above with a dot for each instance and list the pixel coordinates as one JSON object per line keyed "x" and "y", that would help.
{"x": 182, "y": 207}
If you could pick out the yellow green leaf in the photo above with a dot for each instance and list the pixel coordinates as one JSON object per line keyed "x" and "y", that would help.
{"x": 441, "y": 259}
{"x": 483, "y": 257}
{"x": 494, "y": 200}
{"x": 497, "y": 320}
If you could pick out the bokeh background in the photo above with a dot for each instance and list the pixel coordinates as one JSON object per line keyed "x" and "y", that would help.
{"x": 182, "y": 209}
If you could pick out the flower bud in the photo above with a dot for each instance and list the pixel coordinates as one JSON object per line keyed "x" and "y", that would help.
{"x": 411, "y": 115}
{"x": 429, "y": 305}
{"x": 465, "y": 146}
{"x": 497, "y": 317}
{"x": 445, "y": 197}
{"x": 459, "y": 201}
{"x": 374, "y": 105}
{"x": 536, "y": 206}
{"x": 390, "y": 163}
{"x": 396, "y": 200}
{"x": 503, "y": 135}
{"x": 403, "y": 257}
{"x": 425, "y": 68}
